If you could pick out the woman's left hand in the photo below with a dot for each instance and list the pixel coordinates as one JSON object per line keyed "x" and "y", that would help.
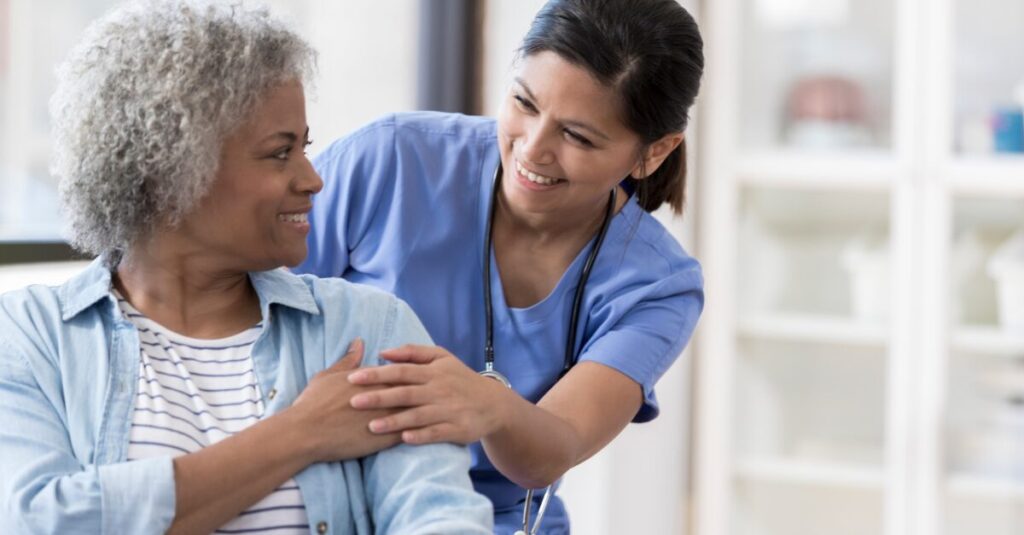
{"x": 445, "y": 400}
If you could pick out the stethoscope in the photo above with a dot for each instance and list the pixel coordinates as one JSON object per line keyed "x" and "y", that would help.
{"x": 570, "y": 342}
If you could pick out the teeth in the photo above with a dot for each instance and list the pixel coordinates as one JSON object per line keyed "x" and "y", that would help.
{"x": 294, "y": 218}
{"x": 534, "y": 177}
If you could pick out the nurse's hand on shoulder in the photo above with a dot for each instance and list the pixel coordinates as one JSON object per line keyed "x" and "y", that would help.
{"x": 336, "y": 431}
{"x": 444, "y": 400}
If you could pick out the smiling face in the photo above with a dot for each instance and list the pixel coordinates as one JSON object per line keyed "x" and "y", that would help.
{"x": 255, "y": 215}
{"x": 563, "y": 143}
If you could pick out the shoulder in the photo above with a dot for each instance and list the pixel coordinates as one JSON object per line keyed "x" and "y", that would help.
{"x": 422, "y": 129}
{"x": 449, "y": 125}
{"x": 30, "y": 322}
{"x": 29, "y": 304}
{"x": 650, "y": 253}
{"x": 333, "y": 293}
{"x": 350, "y": 310}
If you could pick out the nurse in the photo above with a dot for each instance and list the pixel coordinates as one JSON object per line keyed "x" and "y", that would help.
{"x": 439, "y": 208}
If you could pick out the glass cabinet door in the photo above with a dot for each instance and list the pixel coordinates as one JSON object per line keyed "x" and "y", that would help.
{"x": 988, "y": 77}
{"x": 811, "y": 364}
{"x": 984, "y": 460}
{"x": 816, "y": 74}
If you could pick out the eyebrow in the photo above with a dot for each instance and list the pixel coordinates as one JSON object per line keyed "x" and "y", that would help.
{"x": 290, "y": 136}
{"x": 578, "y": 124}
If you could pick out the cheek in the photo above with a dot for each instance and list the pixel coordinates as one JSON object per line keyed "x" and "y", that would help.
{"x": 509, "y": 123}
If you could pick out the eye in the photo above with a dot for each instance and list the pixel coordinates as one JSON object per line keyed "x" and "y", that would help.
{"x": 524, "y": 104}
{"x": 578, "y": 138}
{"x": 282, "y": 153}
{"x": 305, "y": 146}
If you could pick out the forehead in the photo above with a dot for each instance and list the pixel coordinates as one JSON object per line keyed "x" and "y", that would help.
{"x": 282, "y": 107}
{"x": 568, "y": 91}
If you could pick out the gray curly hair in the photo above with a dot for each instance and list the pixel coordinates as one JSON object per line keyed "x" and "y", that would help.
{"x": 144, "y": 103}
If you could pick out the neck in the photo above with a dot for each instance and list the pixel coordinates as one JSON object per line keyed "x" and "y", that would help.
{"x": 187, "y": 292}
{"x": 550, "y": 228}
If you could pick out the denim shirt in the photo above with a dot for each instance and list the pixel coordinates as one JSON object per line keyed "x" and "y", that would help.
{"x": 68, "y": 368}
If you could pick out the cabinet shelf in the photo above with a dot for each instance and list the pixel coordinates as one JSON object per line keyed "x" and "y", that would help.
{"x": 1000, "y": 176}
{"x": 867, "y": 170}
{"x": 811, "y": 473}
{"x": 974, "y": 486}
{"x": 813, "y": 328}
{"x": 988, "y": 340}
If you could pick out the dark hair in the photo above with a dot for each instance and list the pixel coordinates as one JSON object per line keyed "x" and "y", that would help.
{"x": 651, "y": 52}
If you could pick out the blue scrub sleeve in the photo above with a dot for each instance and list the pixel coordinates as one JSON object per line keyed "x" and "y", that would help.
{"x": 650, "y": 335}
{"x": 358, "y": 173}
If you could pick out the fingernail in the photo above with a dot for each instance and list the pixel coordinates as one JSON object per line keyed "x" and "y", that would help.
{"x": 354, "y": 345}
{"x": 378, "y": 426}
{"x": 359, "y": 401}
{"x": 356, "y": 377}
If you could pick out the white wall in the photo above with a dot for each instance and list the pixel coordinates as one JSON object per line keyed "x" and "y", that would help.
{"x": 367, "y": 61}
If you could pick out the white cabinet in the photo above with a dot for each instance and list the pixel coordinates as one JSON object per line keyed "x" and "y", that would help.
{"x": 861, "y": 357}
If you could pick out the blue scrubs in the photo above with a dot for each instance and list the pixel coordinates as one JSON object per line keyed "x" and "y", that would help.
{"x": 404, "y": 208}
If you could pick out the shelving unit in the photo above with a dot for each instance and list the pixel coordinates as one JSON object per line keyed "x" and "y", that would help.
{"x": 988, "y": 340}
{"x": 974, "y": 486}
{"x": 815, "y": 474}
{"x": 853, "y": 354}
{"x": 817, "y": 328}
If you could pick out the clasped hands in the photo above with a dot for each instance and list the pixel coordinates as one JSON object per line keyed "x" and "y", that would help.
{"x": 425, "y": 395}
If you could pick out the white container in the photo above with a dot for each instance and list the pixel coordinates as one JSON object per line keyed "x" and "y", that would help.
{"x": 993, "y": 445}
{"x": 866, "y": 261}
{"x": 1006, "y": 267}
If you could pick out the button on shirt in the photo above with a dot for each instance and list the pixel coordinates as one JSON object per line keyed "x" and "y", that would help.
{"x": 69, "y": 365}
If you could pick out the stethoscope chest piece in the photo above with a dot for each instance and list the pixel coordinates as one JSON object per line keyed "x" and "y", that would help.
{"x": 491, "y": 373}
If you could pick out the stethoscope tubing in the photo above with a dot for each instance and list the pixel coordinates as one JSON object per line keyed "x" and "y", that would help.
{"x": 570, "y": 341}
{"x": 569, "y": 358}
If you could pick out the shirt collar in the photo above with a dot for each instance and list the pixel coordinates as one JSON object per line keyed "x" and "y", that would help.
{"x": 277, "y": 286}
{"x": 280, "y": 286}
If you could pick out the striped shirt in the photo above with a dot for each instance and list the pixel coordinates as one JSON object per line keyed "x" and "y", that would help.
{"x": 193, "y": 393}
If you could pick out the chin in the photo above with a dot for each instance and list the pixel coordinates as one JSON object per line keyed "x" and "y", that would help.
{"x": 294, "y": 259}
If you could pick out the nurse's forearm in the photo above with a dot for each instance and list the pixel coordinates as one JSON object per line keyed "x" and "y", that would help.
{"x": 536, "y": 444}
{"x": 533, "y": 447}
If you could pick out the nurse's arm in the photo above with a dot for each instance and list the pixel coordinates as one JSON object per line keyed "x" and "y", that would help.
{"x": 578, "y": 417}
{"x": 533, "y": 445}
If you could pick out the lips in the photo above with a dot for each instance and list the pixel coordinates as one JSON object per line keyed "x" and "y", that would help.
{"x": 297, "y": 217}
{"x": 536, "y": 178}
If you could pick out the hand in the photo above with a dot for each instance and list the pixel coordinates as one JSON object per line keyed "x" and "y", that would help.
{"x": 325, "y": 415}
{"x": 445, "y": 401}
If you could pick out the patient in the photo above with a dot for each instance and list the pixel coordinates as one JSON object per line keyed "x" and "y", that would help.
{"x": 184, "y": 382}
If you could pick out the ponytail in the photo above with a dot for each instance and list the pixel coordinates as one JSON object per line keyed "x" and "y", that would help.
{"x": 667, "y": 184}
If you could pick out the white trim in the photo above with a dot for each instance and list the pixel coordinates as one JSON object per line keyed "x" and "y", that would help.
{"x": 716, "y": 340}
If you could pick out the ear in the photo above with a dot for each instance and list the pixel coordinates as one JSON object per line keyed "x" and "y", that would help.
{"x": 655, "y": 154}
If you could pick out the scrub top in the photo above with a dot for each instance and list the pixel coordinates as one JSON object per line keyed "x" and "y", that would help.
{"x": 404, "y": 208}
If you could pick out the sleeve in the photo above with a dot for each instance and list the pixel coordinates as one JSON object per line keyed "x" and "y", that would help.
{"x": 423, "y": 489}
{"x": 354, "y": 170}
{"x": 655, "y": 324}
{"x": 46, "y": 489}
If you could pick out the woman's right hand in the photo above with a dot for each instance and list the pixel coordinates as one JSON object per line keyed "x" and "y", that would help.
{"x": 325, "y": 415}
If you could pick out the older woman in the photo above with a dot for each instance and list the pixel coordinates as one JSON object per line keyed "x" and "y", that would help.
{"x": 183, "y": 383}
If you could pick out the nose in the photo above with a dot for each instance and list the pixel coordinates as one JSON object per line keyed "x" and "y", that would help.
{"x": 535, "y": 144}
{"x": 308, "y": 181}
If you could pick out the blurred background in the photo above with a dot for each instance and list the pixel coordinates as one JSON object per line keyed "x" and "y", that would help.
{"x": 857, "y": 201}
